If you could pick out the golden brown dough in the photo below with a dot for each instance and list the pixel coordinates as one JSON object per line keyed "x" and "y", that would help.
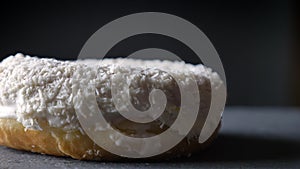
{"x": 54, "y": 141}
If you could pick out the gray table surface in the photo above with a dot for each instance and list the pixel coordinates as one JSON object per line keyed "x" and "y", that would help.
{"x": 249, "y": 138}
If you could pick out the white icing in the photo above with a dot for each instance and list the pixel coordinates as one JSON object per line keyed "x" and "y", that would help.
{"x": 42, "y": 88}
{"x": 8, "y": 112}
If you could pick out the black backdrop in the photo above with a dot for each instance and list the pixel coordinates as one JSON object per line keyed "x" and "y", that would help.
{"x": 253, "y": 38}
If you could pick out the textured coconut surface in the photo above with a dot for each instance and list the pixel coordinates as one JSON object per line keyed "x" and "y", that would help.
{"x": 249, "y": 138}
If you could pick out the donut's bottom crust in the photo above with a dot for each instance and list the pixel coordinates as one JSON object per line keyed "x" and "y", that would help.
{"x": 55, "y": 141}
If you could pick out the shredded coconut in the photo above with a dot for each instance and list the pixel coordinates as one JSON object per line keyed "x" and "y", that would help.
{"x": 41, "y": 89}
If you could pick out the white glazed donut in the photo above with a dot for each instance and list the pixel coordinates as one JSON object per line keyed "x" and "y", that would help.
{"x": 37, "y": 109}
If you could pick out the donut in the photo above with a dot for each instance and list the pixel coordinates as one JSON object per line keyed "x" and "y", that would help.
{"x": 38, "y": 112}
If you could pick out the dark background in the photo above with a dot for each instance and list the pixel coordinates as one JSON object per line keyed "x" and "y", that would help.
{"x": 256, "y": 40}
